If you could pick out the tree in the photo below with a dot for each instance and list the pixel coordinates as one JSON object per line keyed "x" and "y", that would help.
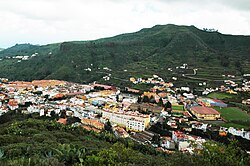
{"x": 224, "y": 60}
{"x": 168, "y": 107}
{"x": 108, "y": 126}
{"x": 152, "y": 99}
{"x": 237, "y": 64}
{"x": 53, "y": 114}
{"x": 160, "y": 103}
{"x": 71, "y": 120}
{"x": 63, "y": 114}
{"x": 156, "y": 139}
{"x": 145, "y": 99}
{"x": 216, "y": 153}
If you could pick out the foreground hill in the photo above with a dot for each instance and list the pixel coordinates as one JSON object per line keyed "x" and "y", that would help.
{"x": 33, "y": 140}
{"x": 146, "y": 52}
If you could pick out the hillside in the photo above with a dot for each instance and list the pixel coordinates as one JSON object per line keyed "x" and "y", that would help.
{"x": 33, "y": 140}
{"x": 30, "y": 139}
{"x": 140, "y": 54}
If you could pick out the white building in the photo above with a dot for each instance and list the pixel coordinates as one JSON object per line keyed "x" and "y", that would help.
{"x": 131, "y": 120}
{"x": 135, "y": 125}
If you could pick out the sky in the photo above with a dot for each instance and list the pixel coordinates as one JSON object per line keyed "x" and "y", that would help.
{"x": 51, "y": 21}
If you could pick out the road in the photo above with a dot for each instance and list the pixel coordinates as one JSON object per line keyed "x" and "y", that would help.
{"x": 205, "y": 79}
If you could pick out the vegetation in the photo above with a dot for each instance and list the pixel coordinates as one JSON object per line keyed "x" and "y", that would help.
{"x": 30, "y": 140}
{"x": 177, "y": 107}
{"x": 233, "y": 113}
{"x": 235, "y": 117}
{"x": 220, "y": 95}
{"x": 140, "y": 54}
{"x": 235, "y": 125}
{"x": 33, "y": 140}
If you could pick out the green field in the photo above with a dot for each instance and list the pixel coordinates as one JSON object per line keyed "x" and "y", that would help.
{"x": 232, "y": 114}
{"x": 220, "y": 96}
{"x": 177, "y": 107}
{"x": 235, "y": 125}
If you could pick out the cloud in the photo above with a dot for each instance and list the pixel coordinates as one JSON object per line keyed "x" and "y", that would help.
{"x": 48, "y": 21}
{"x": 236, "y": 4}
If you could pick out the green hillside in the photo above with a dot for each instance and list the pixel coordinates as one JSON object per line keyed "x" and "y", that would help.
{"x": 28, "y": 50}
{"x": 33, "y": 140}
{"x": 140, "y": 54}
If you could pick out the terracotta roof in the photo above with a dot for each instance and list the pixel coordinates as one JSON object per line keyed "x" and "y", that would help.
{"x": 12, "y": 103}
{"x": 92, "y": 122}
{"x": 185, "y": 113}
{"x": 44, "y": 83}
{"x": 58, "y": 96}
{"x": 205, "y": 110}
{"x": 103, "y": 86}
{"x": 91, "y": 129}
{"x": 62, "y": 121}
{"x": 133, "y": 90}
{"x": 180, "y": 134}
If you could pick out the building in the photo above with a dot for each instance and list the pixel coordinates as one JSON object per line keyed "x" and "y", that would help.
{"x": 183, "y": 145}
{"x": 12, "y": 104}
{"x": 168, "y": 143}
{"x": 178, "y": 136}
{"x": 62, "y": 121}
{"x": 218, "y": 103}
{"x": 2, "y": 96}
{"x": 205, "y": 113}
{"x": 146, "y": 107}
{"x": 246, "y": 102}
{"x": 92, "y": 122}
{"x": 120, "y": 132}
{"x": 135, "y": 125}
{"x": 130, "y": 120}
{"x": 106, "y": 87}
{"x": 211, "y": 102}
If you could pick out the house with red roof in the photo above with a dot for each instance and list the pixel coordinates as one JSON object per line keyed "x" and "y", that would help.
{"x": 205, "y": 113}
{"x": 92, "y": 122}
{"x": 62, "y": 121}
{"x": 12, "y": 104}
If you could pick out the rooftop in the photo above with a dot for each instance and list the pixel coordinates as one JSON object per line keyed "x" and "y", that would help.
{"x": 205, "y": 110}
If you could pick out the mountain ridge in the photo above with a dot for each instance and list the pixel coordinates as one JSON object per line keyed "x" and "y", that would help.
{"x": 142, "y": 53}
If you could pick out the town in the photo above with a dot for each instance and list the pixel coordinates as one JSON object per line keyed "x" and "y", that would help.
{"x": 167, "y": 117}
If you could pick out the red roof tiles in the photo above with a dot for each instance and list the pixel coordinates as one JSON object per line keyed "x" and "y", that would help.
{"x": 205, "y": 110}
{"x": 62, "y": 121}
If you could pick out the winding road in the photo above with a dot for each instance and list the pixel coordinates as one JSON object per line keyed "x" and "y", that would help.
{"x": 205, "y": 79}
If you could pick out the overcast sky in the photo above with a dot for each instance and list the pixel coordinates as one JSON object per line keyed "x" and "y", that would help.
{"x": 50, "y": 21}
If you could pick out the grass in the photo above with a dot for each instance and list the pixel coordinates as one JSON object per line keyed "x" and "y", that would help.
{"x": 234, "y": 114}
{"x": 220, "y": 96}
{"x": 235, "y": 125}
{"x": 142, "y": 87}
{"x": 177, "y": 107}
